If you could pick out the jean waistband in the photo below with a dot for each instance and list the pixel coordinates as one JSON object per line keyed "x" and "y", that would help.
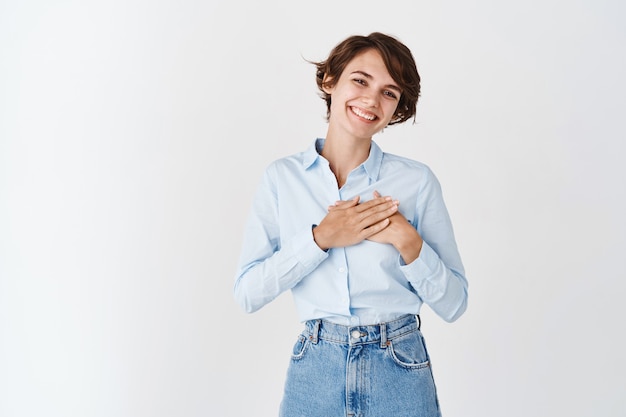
{"x": 354, "y": 335}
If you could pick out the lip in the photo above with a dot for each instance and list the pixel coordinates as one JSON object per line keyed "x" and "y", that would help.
{"x": 363, "y": 115}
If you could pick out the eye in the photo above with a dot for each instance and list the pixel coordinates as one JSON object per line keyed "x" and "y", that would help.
{"x": 360, "y": 81}
{"x": 390, "y": 94}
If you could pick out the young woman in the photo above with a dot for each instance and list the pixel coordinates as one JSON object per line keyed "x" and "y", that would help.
{"x": 362, "y": 239}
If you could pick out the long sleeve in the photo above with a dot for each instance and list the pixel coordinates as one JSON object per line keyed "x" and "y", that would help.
{"x": 269, "y": 265}
{"x": 437, "y": 275}
{"x": 362, "y": 283}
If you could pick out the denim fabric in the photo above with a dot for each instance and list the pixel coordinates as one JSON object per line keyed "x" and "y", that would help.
{"x": 360, "y": 371}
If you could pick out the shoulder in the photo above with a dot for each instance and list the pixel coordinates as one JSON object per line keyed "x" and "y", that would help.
{"x": 401, "y": 165}
{"x": 288, "y": 167}
{"x": 286, "y": 164}
{"x": 295, "y": 163}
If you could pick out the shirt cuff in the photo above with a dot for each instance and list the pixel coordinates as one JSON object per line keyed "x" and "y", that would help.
{"x": 306, "y": 251}
{"x": 425, "y": 266}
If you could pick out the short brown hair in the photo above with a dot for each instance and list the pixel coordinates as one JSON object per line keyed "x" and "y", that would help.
{"x": 398, "y": 60}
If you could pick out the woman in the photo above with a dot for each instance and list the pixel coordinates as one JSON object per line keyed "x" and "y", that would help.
{"x": 362, "y": 239}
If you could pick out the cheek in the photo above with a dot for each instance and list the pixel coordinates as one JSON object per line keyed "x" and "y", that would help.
{"x": 390, "y": 109}
{"x": 339, "y": 99}
{"x": 393, "y": 106}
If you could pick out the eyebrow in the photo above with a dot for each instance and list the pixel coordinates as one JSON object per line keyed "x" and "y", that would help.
{"x": 368, "y": 76}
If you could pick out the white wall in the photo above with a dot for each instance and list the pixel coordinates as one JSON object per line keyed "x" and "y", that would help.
{"x": 132, "y": 135}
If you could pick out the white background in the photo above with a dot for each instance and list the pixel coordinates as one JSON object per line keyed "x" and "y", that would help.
{"x": 132, "y": 136}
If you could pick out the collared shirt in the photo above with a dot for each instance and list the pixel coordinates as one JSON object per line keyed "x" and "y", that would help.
{"x": 361, "y": 284}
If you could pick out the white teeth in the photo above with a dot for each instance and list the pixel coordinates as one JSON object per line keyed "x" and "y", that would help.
{"x": 359, "y": 113}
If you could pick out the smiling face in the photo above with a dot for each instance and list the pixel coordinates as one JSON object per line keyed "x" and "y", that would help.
{"x": 364, "y": 99}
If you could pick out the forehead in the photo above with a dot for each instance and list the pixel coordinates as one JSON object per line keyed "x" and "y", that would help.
{"x": 370, "y": 62}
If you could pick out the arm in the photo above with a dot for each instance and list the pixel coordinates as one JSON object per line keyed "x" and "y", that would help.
{"x": 401, "y": 235}
{"x": 429, "y": 257}
{"x": 270, "y": 264}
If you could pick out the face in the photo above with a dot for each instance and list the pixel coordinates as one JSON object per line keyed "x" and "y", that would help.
{"x": 364, "y": 98}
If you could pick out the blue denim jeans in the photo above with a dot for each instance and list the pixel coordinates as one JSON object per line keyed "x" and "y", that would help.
{"x": 378, "y": 370}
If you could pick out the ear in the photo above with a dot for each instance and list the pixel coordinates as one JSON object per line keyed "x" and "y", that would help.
{"x": 328, "y": 85}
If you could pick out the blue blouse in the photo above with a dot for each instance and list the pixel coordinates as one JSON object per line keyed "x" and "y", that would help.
{"x": 362, "y": 284}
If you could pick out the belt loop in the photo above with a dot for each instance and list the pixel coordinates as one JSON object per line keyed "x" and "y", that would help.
{"x": 316, "y": 331}
{"x": 419, "y": 322}
{"x": 383, "y": 335}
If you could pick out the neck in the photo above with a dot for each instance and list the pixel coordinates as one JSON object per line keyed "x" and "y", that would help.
{"x": 345, "y": 155}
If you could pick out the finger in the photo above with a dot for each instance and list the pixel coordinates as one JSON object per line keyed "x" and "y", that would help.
{"x": 372, "y": 203}
{"x": 345, "y": 203}
{"x": 378, "y": 213}
{"x": 377, "y": 195}
{"x": 381, "y": 205}
{"x": 375, "y": 228}
{"x": 342, "y": 202}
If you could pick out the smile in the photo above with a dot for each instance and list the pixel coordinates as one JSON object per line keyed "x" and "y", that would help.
{"x": 363, "y": 114}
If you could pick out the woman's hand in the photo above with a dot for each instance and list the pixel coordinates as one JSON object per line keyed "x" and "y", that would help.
{"x": 401, "y": 234}
{"x": 349, "y": 222}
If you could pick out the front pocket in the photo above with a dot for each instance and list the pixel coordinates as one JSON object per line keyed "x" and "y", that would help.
{"x": 409, "y": 351}
{"x": 299, "y": 347}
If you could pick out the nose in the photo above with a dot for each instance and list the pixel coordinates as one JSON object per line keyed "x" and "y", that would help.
{"x": 369, "y": 99}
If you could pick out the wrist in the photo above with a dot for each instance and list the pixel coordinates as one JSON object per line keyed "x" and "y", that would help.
{"x": 410, "y": 249}
{"x": 316, "y": 238}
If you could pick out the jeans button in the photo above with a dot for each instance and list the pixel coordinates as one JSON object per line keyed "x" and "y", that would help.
{"x": 355, "y": 334}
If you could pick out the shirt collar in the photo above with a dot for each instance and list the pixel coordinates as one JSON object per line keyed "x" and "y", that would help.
{"x": 371, "y": 165}
{"x": 312, "y": 153}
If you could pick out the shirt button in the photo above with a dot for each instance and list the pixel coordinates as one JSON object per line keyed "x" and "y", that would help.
{"x": 342, "y": 269}
{"x": 355, "y": 334}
